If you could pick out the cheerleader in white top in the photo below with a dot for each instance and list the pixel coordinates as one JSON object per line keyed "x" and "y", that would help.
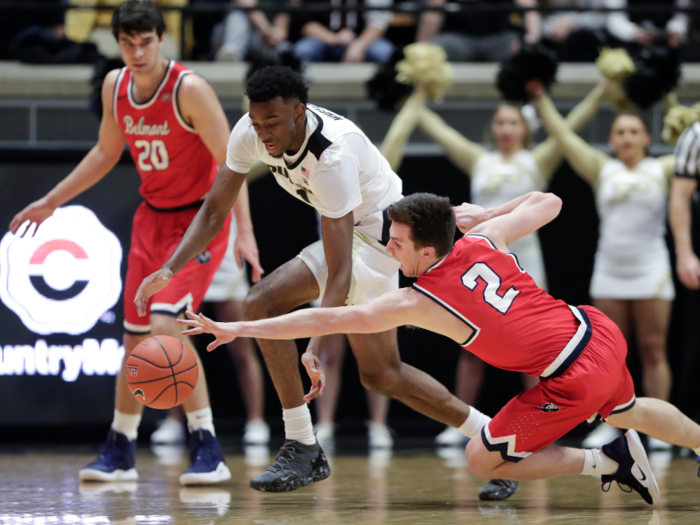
{"x": 498, "y": 176}
{"x": 632, "y": 282}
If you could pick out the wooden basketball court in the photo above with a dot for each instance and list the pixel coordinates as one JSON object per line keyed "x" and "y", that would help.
{"x": 408, "y": 487}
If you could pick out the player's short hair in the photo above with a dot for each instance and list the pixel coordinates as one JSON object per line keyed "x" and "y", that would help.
{"x": 277, "y": 81}
{"x": 430, "y": 218}
{"x": 136, "y": 16}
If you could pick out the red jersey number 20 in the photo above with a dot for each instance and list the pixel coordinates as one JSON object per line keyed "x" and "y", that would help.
{"x": 152, "y": 155}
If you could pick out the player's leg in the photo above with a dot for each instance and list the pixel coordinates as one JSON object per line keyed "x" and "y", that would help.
{"x": 250, "y": 376}
{"x": 301, "y": 460}
{"x": 468, "y": 380}
{"x": 325, "y": 405}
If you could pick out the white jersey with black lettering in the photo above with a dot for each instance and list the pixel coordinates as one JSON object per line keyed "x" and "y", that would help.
{"x": 337, "y": 169}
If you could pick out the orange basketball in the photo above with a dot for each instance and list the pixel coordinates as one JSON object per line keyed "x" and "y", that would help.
{"x": 162, "y": 372}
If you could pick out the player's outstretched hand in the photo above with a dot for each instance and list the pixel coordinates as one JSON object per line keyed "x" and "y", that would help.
{"x": 36, "y": 213}
{"x": 150, "y": 286}
{"x": 246, "y": 247}
{"x": 201, "y": 324}
{"x": 468, "y": 216}
{"x": 317, "y": 374}
{"x": 688, "y": 268}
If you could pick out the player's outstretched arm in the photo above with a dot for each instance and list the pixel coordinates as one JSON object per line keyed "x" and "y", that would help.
{"x": 206, "y": 224}
{"x": 518, "y": 218}
{"x": 94, "y": 166}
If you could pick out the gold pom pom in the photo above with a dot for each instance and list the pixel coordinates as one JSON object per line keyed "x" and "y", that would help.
{"x": 677, "y": 119}
{"x": 615, "y": 64}
{"x": 426, "y": 66}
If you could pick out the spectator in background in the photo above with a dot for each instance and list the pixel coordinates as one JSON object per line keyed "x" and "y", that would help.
{"x": 470, "y": 36}
{"x": 345, "y": 37}
{"x": 575, "y": 36}
{"x": 254, "y": 32}
{"x": 14, "y": 21}
{"x": 637, "y": 30}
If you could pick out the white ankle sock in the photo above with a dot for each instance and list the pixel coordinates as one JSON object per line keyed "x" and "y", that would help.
{"x": 474, "y": 423}
{"x": 127, "y": 424}
{"x": 202, "y": 418}
{"x": 297, "y": 424}
{"x": 697, "y": 451}
{"x": 595, "y": 463}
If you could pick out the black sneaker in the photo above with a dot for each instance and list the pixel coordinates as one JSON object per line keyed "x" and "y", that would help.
{"x": 498, "y": 489}
{"x": 295, "y": 466}
{"x": 634, "y": 472}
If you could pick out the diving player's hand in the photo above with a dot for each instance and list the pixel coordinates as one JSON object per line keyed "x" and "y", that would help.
{"x": 468, "y": 216}
{"x": 317, "y": 374}
{"x": 246, "y": 248}
{"x": 224, "y": 332}
{"x": 36, "y": 213}
{"x": 688, "y": 267}
{"x": 150, "y": 286}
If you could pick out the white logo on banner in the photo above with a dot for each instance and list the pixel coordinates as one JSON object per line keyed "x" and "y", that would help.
{"x": 65, "y": 277}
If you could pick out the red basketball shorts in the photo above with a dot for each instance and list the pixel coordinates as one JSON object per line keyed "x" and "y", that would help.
{"x": 154, "y": 237}
{"x": 596, "y": 383}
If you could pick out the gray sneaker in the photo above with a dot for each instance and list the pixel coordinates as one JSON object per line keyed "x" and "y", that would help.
{"x": 295, "y": 466}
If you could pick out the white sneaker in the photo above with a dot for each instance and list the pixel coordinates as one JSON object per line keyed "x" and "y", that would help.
{"x": 325, "y": 435}
{"x": 170, "y": 432}
{"x": 379, "y": 436}
{"x": 657, "y": 444}
{"x": 450, "y": 437}
{"x": 601, "y": 435}
{"x": 228, "y": 53}
{"x": 256, "y": 432}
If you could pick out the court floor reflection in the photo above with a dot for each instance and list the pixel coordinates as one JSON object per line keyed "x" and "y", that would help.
{"x": 409, "y": 487}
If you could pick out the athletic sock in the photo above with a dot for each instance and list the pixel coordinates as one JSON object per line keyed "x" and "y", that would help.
{"x": 595, "y": 463}
{"x": 127, "y": 424}
{"x": 297, "y": 424}
{"x": 697, "y": 451}
{"x": 474, "y": 423}
{"x": 201, "y": 419}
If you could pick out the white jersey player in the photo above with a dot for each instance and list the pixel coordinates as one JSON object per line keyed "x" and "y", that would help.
{"x": 326, "y": 161}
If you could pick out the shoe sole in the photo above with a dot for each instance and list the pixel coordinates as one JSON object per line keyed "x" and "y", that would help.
{"x": 498, "y": 493}
{"x": 88, "y": 474}
{"x": 318, "y": 474}
{"x": 222, "y": 473}
{"x": 640, "y": 458}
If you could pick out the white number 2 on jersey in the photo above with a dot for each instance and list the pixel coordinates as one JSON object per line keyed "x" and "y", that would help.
{"x": 492, "y": 280}
{"x": 153, "y": 155}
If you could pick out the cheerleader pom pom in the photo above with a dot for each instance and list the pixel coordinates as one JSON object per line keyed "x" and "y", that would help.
{"x": 657, "y": 73}
{"x": 532, "y": 62}
{"x": 615, "y": 64}
{"x": 677, "y": 119}
{"x": 383, "y": 87}
{"x": 425, "y": 65}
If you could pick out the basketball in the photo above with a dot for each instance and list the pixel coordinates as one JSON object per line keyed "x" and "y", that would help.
{"x": 162, "y": 372}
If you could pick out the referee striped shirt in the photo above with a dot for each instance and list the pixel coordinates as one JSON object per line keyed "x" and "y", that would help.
{"x": 688, "y": 152}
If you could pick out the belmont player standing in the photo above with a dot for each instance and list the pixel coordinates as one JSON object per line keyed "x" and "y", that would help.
{"x": 177, "y": 133}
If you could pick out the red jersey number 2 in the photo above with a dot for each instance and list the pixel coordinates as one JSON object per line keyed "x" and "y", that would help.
{"x": 152, "y": 155}
{"x": 492, "y": 281}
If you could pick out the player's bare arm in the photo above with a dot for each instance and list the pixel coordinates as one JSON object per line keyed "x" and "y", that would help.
{"x": 206, "y": 224}
{"x": 201, "y": 109}
{"x": 687, "y": 263}
{"x": 530, "y": 214}
{"x": 94, "y": 166}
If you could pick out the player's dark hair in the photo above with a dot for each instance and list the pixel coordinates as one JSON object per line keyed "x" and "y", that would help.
{"x": 277, "y": 81}
{"x": 135, "y": 16}
{"x": 430, "y": 218}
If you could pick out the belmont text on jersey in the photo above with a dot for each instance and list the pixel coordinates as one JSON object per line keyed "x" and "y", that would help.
{"x": 176, "y": 167}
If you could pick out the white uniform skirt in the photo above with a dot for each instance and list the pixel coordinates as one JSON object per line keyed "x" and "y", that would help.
{"x": 623, "y": 277}
{"x": 374, "y": 271}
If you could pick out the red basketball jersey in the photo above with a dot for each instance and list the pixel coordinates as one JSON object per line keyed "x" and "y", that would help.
{"x": 176, "y": 167}
{"x": 517, "y": 326}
